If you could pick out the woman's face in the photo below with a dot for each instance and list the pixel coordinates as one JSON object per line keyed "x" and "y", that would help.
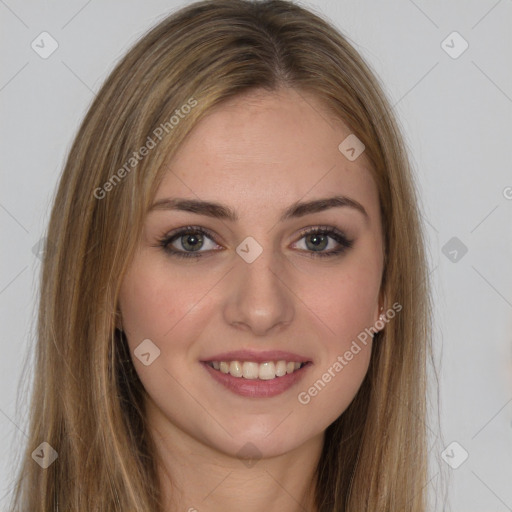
{"x": 261, "y": 290}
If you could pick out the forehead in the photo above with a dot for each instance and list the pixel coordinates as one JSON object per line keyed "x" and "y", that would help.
{"x": 264, "y": 149}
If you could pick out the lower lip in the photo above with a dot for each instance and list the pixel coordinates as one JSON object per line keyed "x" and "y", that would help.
{"x": 257, "y": 388}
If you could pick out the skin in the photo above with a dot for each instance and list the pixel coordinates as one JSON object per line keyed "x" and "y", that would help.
{"x": 258, "y": 154}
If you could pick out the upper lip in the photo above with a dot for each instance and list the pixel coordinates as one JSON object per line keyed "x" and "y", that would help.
{"x": 257, "y": 356}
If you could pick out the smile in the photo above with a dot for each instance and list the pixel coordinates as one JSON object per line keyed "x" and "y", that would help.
{"x": 257, "y": 380}
{"x": 251, "y": 370}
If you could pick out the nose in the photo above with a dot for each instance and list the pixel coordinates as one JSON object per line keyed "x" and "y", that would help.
{"x": 258, "y": 297}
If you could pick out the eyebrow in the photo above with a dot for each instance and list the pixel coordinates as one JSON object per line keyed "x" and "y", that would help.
{"x": 220, "y": 211}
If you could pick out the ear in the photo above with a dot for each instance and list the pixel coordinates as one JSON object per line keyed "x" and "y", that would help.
{"x": 381, "y": 308}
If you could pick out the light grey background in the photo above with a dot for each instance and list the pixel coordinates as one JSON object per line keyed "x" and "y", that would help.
{"x": 457, "y": 117}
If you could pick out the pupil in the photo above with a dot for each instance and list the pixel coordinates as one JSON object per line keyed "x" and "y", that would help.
{"x": 317, "y": 239}
{"x": 194, "y": 245}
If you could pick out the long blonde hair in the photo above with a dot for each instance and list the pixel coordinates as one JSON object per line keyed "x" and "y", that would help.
{"x": 87, "y": 401}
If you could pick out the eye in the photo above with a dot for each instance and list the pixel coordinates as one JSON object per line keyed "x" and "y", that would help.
{"x": 188, "y": 241}
{"x": 190, "y": 238}
{"x": 317, "y": 239}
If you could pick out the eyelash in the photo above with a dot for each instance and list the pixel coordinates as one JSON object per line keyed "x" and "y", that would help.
{"x": 333, "y": 233}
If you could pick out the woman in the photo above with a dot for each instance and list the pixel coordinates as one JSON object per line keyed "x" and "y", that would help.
{"x": 234, "y": 302}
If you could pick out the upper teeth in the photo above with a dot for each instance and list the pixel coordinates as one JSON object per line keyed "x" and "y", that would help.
{"x": 251, "y": 370}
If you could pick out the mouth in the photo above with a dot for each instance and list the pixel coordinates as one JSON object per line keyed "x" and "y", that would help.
{"x": 252, "y": 370}
{"x": 257, "y": 374}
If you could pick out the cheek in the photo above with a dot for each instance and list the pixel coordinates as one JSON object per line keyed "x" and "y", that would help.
{"x": 152, "y": 300}
{"x": 168, "y": 306}
{"x": 144, "y": 306}
{"x": 345, "y": 350}
{"x": 345, "y": 299}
